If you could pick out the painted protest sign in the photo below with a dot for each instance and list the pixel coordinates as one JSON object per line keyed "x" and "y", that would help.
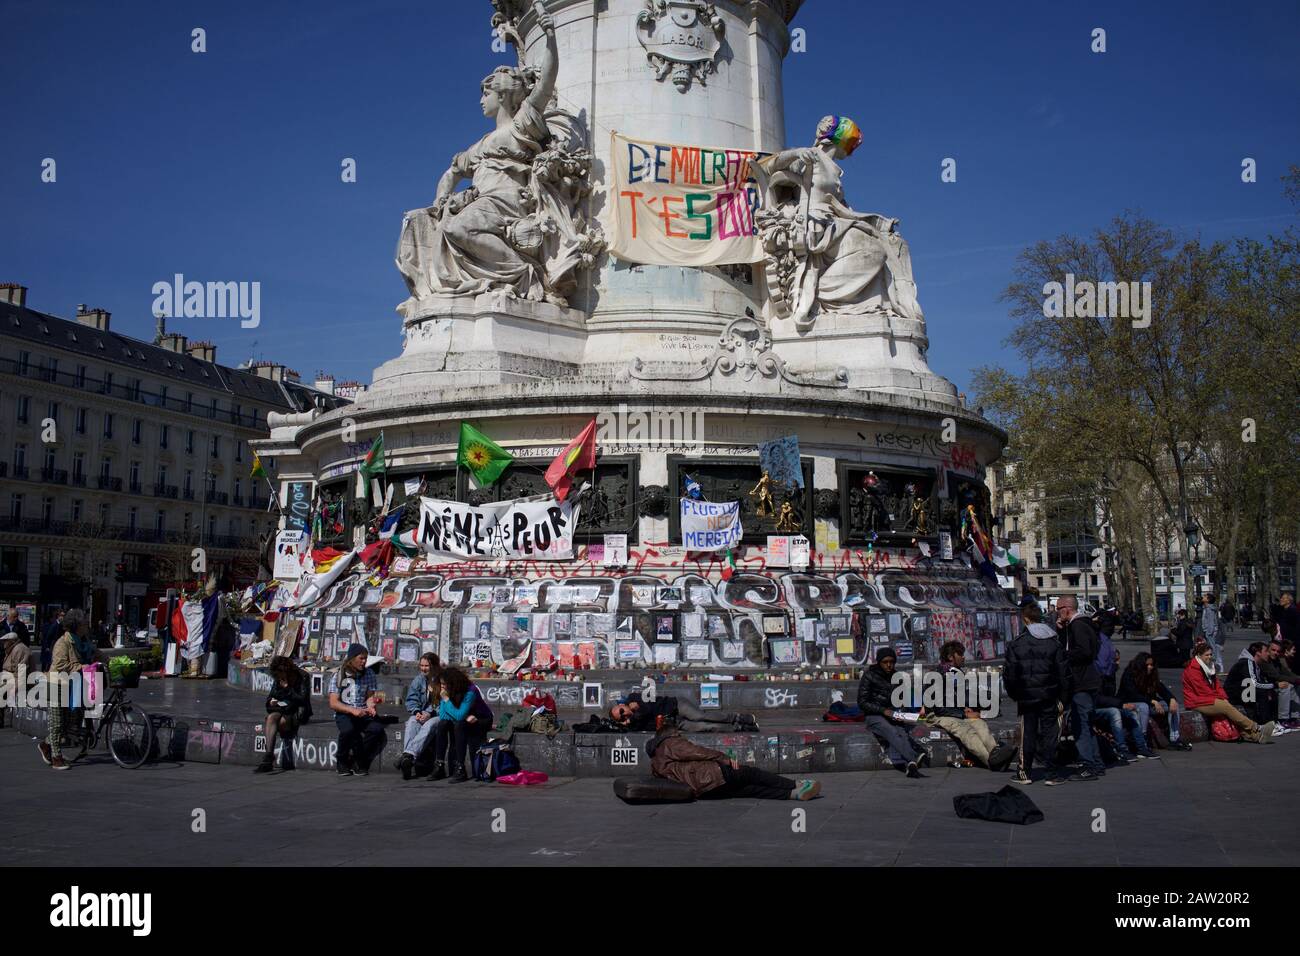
{"x": 289, "y": 547}
{"x": 683, "y": 205}
{"x": 710, "y": 525}
{"x": 540, "y": 527}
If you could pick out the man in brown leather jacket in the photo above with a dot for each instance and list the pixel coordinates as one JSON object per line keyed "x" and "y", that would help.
{"x": 712, "y": 774}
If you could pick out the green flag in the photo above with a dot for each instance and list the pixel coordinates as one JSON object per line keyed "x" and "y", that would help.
{"x": 374, "y": 463}
{"x": 484, "y": 458}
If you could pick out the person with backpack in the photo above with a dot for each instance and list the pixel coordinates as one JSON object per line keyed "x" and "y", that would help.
{"x": 422, "y": 700}
{"x": 288, "y": 706}
{"x": 1141, "y": 686}
{"x": 1082, "y": 646}
{"x": 1203, "y": 693}
{"x": 1035, "y": 678}
{"x": 464, "y": 719}
{"x": 352, "y": 691}
{"x": 711, "y": 774}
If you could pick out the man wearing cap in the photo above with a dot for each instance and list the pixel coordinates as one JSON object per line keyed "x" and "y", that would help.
{"x": 351, "y": 691}
{"x": 876, "y": 700}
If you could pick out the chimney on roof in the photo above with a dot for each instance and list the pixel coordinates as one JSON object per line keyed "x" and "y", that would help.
{"x": 268, "y": 370}
{"x": 325, "y": 383}
{"x": 203, "y": 351}
{"x": 13, "y": 293}
{"x": 174, "y": 342}
{"x": 93, "y": 318}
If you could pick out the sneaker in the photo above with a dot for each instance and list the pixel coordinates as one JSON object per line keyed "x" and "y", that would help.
{"x": 805, "y": 790}
{"x": 924, "y": 759}
{"x": 1179, "y": 745}
{"x": 343, "y": 770}
{"x": 1123, "y": 760}
{"x": 361, "y": 772}
{"x": 58, "y": 763}
{"x": 912, "y": 770}
{"x": 1023, "y": 779}
{"x": 1278, "y": 730}
{"x": 1055, "y": 781}
{"x": 1083, "y": 776}
{"x": 44, "y": 749}
{"x": 1149, "y": 755}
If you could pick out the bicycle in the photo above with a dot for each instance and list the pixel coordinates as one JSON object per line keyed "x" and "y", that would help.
{"x": 125, "y": 728}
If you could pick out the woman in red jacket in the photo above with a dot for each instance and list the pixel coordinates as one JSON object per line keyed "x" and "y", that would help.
{"x": 1203, "y": 693}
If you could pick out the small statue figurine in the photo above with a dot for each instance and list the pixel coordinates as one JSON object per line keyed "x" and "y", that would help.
{"x": 919, "y": 521}
{"x": 763, "y": 491}
{"x": 786, "y": 522}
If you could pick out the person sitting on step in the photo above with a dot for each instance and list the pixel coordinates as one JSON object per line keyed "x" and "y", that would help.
{"x": 1203, "y": 693}
{"x": 288, "y": 705}
{"x": 964, "y": 724}
{"x": 875, "y": 698}
{"x": 422, "y": 700}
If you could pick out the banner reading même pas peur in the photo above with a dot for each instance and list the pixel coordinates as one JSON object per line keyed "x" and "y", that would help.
{"x": 539, "y": 528}
{"x": 683, "y": 205}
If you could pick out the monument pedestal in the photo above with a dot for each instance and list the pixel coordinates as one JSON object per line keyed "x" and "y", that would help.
{"x": 489, "y": 339}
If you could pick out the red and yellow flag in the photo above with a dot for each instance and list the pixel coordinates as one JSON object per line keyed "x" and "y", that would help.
{"x": 579, "y": 455}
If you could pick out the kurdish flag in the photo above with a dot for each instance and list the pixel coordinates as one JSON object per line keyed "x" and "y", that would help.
{"x": 579, "y": 455}
{"x": 374, "y": 461}
{"x": 484, "y": 458}
{"x": 258, "y": 470}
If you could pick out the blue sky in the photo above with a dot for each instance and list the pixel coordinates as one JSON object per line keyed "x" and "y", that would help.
{"x": 225, "y": 165}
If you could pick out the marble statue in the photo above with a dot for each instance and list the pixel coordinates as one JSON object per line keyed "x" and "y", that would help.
{"x": 517, "y": 228}
{"x": 823, "y": 256}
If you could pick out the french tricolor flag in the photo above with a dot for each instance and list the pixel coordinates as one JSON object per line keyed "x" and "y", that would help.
{"x": 193, "y": 623}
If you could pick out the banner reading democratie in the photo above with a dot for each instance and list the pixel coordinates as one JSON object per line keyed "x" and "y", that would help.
{"x": 683, "y": 205}
{"x": 539, "y": 528}
{"x": 710, "y": 525}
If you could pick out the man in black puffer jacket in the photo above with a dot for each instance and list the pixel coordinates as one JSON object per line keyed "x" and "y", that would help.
{"x": 876, "y": 700}
{"x": 1082, "y": 645}
{"x": 1036, "y": 679}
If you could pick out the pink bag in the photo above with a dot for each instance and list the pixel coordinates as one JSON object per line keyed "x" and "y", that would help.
{"x": 524, "y": 778}
{"x": 1222, "y": 729}
{"x": 90, "y": 685}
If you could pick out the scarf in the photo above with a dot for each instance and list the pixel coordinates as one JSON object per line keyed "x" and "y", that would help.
{"x": 1210, "y": 673}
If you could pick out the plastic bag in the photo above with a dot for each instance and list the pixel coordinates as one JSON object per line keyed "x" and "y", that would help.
{"x": 524, "y": 778}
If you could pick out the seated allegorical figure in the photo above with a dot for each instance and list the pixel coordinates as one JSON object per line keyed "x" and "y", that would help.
{"x": 516, "y": 228}
{"x": 822, "y": 255}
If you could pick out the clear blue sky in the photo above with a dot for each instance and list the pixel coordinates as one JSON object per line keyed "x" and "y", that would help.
{"x": 225, "y": 165}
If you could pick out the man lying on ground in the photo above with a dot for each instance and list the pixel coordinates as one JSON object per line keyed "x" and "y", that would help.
{"x": 711, "y": 774}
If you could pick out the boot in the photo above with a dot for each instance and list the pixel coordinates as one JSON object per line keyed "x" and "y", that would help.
{"x": 458, "y": 774}
{"x": 439, "y": 770}
{"x": 406, "y": 765}
{"x": 266, "y": 766}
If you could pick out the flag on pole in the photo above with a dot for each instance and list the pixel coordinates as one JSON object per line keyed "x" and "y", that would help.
{"x": 258, "y": 470}
{"x": 578, "y": 455}
{"x": 374, "y": 462}
{"x": 692, "y": 487}
{"x": 729, "y": 568}
{"x": 483, "y": 457}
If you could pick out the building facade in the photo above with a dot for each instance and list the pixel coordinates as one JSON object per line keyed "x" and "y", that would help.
{"x": 119, "y": 457}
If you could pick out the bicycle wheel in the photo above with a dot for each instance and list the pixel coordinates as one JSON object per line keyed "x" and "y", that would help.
{"x": 130, "y": 736}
